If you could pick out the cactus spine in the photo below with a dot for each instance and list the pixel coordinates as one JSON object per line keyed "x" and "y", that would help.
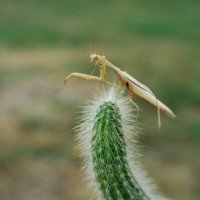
{"x": 107, "y": 140}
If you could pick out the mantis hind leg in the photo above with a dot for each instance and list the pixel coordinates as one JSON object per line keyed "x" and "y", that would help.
{"x": 130, "y": 95}
{"x": 137, "y": 107}
{"x": 158, "y": 113}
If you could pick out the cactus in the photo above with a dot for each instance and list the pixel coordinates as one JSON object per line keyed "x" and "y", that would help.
{"x": 108, "y": 138}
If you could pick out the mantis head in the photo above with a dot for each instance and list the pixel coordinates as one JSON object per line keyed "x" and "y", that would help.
{"x": 94, "y": 58}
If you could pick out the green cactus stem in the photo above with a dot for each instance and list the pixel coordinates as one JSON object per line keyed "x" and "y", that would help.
{"x": 107, "y": 135}
{"x": 109, "y": 156}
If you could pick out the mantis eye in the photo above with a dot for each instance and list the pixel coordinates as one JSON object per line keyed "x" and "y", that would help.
{"x": 94, "y": 61}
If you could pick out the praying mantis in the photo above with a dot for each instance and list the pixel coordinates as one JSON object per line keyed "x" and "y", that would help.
{"x": 133, "y": 86}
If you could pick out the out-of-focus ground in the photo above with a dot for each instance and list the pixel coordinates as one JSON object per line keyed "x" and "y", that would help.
{"x": 158, "y": 42}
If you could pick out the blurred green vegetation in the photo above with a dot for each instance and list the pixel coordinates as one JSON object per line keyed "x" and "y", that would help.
{"x": 158, "y": 42}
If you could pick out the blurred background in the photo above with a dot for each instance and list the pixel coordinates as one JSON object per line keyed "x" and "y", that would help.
{"x": 41, "y": 41}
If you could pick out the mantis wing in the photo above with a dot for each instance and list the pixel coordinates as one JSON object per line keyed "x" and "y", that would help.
{"x": 141, "y": 90}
